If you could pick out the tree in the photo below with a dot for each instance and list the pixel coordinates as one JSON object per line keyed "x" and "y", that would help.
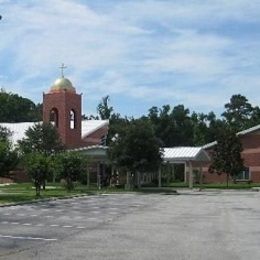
{"x": 200, "y": 128}
{"x": 227, "y": 154}
{"x": 136, "y": 148}
{"x": 4, "y": 133}
{"x": 205, "y": 127}
{"x": 14, "y": 108}
{"x": 183, "y": 123}
{"x": 172, "y": 126}
{"x": 38, "y": 167}
{"x": 103, "y": 108}
{"x": 116, "y": 125}
{"x": 239, "y": 113}
{"x": 8, "y": 155}
{"x": 41, "y": 138}
{"x": 71, "y": 166}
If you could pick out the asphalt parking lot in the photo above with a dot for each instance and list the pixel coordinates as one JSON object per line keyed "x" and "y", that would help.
{"x": 193, "y": 225}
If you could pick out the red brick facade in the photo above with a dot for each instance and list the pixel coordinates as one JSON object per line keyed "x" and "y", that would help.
{"x": 96, "y": 137}
{"x": 62, "y": 103}
{"x": 250, "y": 154}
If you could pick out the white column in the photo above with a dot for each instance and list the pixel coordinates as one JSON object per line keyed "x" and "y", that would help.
{"x": 127, "y": 186}
{"x": 160, "y": 177}
{"x": 98, "y": 176}
{"x": 190, "y": 175}
{"x": 185, "y": 172}
{"x": 201, "y": 176}
{"x": 173, "y": 173}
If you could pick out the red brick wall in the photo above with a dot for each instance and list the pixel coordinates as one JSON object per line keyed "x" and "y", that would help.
{"x": 5, "y": 180}
{"x": 95, "y": 137}
{"x": 64, "y": 102}
{"x": 250, "y": 154}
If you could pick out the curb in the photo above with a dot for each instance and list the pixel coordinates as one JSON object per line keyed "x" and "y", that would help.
{"x": 44, "y": 200}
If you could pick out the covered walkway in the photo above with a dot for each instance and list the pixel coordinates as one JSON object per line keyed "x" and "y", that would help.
{"x": 191, "y": 157}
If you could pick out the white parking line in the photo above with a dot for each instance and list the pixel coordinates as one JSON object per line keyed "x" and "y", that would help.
{"x": 91, "y": 218}
{"x": 28, "y": 238}
{"x": 39, "y": 225}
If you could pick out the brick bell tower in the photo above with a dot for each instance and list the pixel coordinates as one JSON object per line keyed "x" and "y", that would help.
{"x": 62, "y": 108}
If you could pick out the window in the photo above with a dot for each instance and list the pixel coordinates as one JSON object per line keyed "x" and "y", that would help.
{"x": 54, "y": 117}
{"x": 72, "y": 119}
{"x": 103, "y": 140}
{"x": 244, "y": 175}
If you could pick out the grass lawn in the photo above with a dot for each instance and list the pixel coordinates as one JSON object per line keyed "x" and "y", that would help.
{"x": 26, "y": 192}
{"x": 216, "y": 186}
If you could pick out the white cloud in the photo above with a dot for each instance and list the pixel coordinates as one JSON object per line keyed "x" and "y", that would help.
{"x": 172, "y": 51}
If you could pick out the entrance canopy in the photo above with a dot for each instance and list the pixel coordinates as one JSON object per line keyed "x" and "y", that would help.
{"x": 184, "y": 154}
{"x": 94, "y": 152}
{"x": 189, "y": 156}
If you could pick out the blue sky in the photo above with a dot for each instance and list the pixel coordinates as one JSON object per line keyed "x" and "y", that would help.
{"x": 140, "y": 53}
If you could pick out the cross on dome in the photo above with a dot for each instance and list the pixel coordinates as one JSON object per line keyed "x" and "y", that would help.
{"x": 62, "y": 67}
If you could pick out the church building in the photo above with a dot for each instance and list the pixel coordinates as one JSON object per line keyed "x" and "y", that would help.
{"x": 62, "y": 107}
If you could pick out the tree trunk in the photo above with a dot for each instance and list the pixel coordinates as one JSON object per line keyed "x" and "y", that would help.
{"x": 37, "y": 189}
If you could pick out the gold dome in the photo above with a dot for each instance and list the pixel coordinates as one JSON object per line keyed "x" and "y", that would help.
{"x": 62, "y": 84}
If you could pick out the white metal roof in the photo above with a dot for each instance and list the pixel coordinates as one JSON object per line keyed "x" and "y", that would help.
{"x": 18, "y": 129}
{"x": 175, "y": 154}
{"x": 90, "y": 126}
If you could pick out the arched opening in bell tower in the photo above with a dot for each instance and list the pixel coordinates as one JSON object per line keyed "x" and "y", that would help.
{"x": 54, "y": 117}
{"x": 73, "y": 119}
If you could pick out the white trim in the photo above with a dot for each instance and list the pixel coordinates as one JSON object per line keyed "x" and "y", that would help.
{"x": 249, "y": 130}
{"x": 209, "y": 145}
{"x": 86, "y": 148}
{"x": 241, "y": 133}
